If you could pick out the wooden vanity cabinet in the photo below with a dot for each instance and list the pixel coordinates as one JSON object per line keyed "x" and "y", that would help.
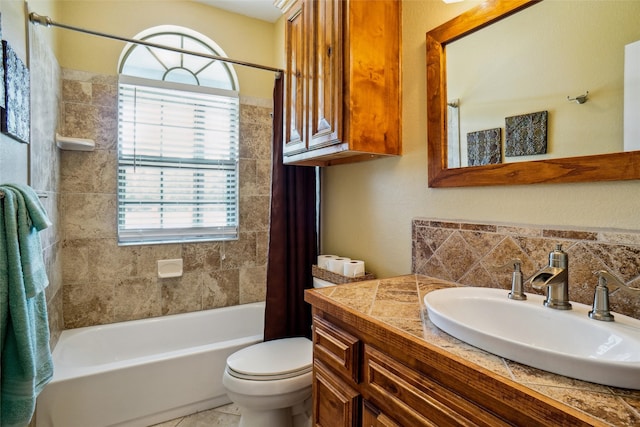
{"x": 346, "y": 369}
{"x": 342, "y": 81}
{"x": 368, "y": 374}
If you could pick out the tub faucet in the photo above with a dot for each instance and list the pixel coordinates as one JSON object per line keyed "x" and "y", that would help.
{"x": 555, "y": 277}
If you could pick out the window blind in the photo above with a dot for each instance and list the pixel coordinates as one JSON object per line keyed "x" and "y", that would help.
{"x": 177, "y": 162}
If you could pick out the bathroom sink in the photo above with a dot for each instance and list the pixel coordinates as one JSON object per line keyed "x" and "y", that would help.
{"x": 565, "y": 342}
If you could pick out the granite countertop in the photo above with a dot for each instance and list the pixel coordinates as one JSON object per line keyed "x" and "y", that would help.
{"x": 398, "y": 302}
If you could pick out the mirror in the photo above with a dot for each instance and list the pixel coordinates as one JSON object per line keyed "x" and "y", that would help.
{"x": 442, "y": 116}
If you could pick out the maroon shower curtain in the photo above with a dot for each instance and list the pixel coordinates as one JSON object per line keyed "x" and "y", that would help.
{"x": 292, "y": 239}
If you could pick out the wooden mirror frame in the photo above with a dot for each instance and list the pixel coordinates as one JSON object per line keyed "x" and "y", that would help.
{"x": 602, "y": 167}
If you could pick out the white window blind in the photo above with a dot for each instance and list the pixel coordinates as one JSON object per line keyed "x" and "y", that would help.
{"x": 177, "y": 162}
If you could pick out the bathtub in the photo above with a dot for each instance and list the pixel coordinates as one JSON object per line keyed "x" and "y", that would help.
{"x": 143, "y": 372}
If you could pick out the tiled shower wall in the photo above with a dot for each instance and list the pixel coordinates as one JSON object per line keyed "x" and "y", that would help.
{"x": 44, "y": 162}
{"x": 476, "y": 254}
{"x": 104, "y": 282}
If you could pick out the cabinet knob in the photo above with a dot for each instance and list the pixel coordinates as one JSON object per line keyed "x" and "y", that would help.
{"x": 329, "y": 50}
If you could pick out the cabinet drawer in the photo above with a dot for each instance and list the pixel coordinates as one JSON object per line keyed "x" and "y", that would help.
{"x": 336, "y": 348}
{"x": 372, "y": 417}
{"x": 415, "y": 399}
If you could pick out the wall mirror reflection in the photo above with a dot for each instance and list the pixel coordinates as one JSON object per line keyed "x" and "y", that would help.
{"x": 534, "y": 91}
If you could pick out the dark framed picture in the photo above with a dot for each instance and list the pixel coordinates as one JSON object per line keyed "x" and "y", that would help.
{"x": 15, "y": 115}
{"x": 484, "y": 147}
{"x": 526, "y": 134}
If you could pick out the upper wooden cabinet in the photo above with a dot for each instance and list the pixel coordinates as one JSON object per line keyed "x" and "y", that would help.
{"x": 342, "y": 81}
{"x": 295, "y": 79}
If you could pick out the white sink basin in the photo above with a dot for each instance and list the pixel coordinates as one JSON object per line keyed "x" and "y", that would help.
{"x": 565, "y": 342}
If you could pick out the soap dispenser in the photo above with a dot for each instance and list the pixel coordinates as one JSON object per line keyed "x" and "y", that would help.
{"x": 517, "y": 288}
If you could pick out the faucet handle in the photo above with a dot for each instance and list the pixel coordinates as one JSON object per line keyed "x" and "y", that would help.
{"x": 610, "y": 278}
{"x": 600, "y": 309}
{"x": 517, "y": 287}
{"x": 514, "y": 263}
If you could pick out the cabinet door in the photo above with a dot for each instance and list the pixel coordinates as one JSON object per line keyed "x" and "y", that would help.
{"x": 335, "y": 403}
{"x": 326, "y": 70}
{"x": 295, "y": 80}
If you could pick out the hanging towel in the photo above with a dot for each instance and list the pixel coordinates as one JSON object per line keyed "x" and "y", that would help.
{"x": 26, "y": 364}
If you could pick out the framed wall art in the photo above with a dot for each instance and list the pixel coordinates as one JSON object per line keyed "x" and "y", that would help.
{"x": 15, "y": 115}
{"x": 484, "y": 147}
{"x": 526, "y": 134}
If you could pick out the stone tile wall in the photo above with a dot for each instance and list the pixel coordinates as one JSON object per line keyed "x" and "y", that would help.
{"x": 104, "y": 282}
{"x": 470, "y": 254}
{"x": 44, "y": 160}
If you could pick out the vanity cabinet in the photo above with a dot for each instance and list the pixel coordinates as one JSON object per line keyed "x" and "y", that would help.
{"x": 342, "y": 81}
{"x": 367, "y": 373}
{"x": 396, "y": 394}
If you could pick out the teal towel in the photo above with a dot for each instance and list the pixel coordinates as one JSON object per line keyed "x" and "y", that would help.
{"x": 31, "y": 218}
{"x": 26, "y": 364}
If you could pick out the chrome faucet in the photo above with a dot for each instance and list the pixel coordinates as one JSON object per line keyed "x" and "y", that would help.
{"x": 555, "y": 277}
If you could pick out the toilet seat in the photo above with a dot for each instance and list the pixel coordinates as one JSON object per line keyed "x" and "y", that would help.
{"x": 272, "y": 360}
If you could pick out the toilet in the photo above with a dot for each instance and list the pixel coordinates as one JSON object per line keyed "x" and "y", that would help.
{"x": 271, "y": 381}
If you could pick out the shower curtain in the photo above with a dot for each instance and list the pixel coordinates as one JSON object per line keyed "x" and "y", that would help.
{"x": 292, "y": 239}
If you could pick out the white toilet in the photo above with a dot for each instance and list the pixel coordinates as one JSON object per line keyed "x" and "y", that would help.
{"x": 271, "y": 382}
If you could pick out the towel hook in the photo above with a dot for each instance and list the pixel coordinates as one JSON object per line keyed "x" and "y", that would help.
{"x": 579, "y": 99}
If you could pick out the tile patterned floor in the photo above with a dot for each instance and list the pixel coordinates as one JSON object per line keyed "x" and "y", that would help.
{"x": 224, "y": 416}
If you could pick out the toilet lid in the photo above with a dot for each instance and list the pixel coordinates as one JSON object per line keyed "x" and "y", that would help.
{"x": 277, "y": 359}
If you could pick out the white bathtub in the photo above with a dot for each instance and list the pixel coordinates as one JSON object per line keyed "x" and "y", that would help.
{"x": 146, "y": 371}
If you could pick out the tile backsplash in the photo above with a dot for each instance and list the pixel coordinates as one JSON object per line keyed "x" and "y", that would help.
{"x": 474, "y": 254}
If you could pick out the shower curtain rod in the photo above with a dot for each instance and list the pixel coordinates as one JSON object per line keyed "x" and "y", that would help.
{"x": 34, "y": 18}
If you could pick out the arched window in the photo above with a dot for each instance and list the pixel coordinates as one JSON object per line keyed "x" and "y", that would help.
{"x": 178, "y": 118}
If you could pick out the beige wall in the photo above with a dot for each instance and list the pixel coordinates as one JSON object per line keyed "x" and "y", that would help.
{"x": 241, "y": 38}
{"x": 368, "y": 207}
